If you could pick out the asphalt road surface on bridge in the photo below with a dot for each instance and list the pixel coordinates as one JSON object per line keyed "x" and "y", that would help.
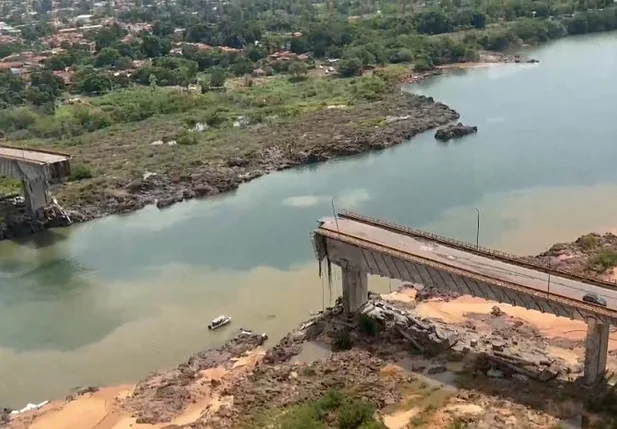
{"x": 483, "y": 265}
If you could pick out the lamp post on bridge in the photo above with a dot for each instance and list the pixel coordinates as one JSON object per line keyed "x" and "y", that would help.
{"x": 477, "y": 228}
{"x": 549, "y": 275}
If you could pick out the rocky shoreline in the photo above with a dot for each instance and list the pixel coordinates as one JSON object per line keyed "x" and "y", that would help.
{"x": 341, "y": 132}
{"x": 386, "y": 355}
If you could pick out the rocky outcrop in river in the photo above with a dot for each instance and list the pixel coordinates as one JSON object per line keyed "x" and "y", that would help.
{"x": 454, "y": 132}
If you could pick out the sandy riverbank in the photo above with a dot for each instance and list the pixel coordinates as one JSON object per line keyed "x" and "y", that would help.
{"x": 486, "y": 59}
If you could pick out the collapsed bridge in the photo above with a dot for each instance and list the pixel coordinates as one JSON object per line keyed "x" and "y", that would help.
{"x": 36, "y": 169}
{"x": 362, "y": 245}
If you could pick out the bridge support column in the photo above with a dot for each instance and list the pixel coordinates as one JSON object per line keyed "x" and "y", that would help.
{"x": 596, "y": 348}
{"x": 355, "y": 289}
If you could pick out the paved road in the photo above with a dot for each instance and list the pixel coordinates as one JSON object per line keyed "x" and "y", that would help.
{"x": 482, "y": 265}
{"x": 31, "y": 156}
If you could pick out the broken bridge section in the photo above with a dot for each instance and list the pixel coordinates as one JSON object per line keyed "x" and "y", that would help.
{"x": 361, "y": 245}
{"x": 36, "y": 169}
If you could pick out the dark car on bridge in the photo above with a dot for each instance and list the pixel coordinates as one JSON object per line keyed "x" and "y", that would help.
{"x": 593, "y": 298}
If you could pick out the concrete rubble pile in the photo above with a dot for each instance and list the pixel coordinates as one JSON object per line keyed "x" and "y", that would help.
{"x": 424, "y": 335}
{"x": 495, "y": 355}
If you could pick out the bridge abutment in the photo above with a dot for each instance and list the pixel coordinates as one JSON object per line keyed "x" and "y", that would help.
{"x": 355, "y": 289}
{"x": 596, "y": 349}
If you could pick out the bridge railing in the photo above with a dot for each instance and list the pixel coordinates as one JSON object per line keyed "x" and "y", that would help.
{"x": 479, "y": 250}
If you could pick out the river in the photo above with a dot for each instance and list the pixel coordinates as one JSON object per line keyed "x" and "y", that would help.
{"x": 109, "y": 301}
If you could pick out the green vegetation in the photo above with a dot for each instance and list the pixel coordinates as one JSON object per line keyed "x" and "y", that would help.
{"x": 588, "y": 242}
{"x": 603, "y": 261}
{"x": 457, "y": 423}
{"x": 604, "y": 404}
{"x": 10, "y": 187}
{"x": 335, "y": 409}
{"x": 278, "y": 98}
{"x": 80, "y": 172}
{"x": 358, "y": 34}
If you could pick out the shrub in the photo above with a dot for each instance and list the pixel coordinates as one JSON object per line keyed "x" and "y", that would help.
{"x": 603, "y": 261}
{"x": 423, "y": 63}
{"x": 333, "y": 410}
{"x": 588, "y": 241}
{"x": 350, "y": 67}
{"x": 457, "y": 423}
{"x": 186, "y": 139}
{"x": 353, "y": 413}
{"x": 80, "y": 172}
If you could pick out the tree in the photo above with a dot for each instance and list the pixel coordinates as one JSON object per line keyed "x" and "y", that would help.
{"x": 578, "y": 25}
{"x": 7, "y": 49}
{"x": 402, "y": 55}
{"x": 11, "y": 89}
{"x": 434, "y": 21}
{"x": 90, "y": 81}
{"x": 298, "y": 68}
{"x": 107, "y": 57}
{"x": 107, "y": 36}
{"x": 47, "y": 81}
{"x": 478, "y": 19}
{"x": 38, "y": 97}
{"x": 541, "y": 9}
{"x": 162, "y": 28}
{"x": 255, "y": 53}
{"x": 153, "y": 82}
{"x": 242, "y": 66}
{"x": 298, "y": 45}
{"x": 55, "y": 63}
{"x": 124, "y": 63}
{"x": 350, "y": 67}
{"x": 153, "y": 46}
{"x": 217, "y": 78}
{"x": 34, "y": 32}
{"x": 362, "y": 54}
{"x": 423, "y": 63}
{"x": 45, "y": 6}
{"x": 96, "y": 84}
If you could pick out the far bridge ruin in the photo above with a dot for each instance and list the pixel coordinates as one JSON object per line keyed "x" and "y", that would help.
{"x": 36, "y": 169}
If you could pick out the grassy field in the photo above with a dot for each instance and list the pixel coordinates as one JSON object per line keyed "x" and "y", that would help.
{"x": 334, "y": 410}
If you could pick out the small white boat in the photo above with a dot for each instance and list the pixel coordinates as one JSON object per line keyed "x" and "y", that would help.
{"x": 218, "y": 322}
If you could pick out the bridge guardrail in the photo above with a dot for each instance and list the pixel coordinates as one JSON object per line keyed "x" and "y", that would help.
{"x": 480, "y": 250}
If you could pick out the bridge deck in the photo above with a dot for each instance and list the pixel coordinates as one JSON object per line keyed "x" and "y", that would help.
{"x": 483, "y": 265}
{"x": 31, "y": 156}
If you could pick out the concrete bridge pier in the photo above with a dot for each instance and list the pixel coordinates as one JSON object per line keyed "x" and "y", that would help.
{"x": 596, "y": 349}
{"x": 355, "y": 289}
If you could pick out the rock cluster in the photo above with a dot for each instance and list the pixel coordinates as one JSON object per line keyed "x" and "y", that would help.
{"x": 15, "y": 221}
{"x": 163, "y": 395}
{"x": 454, "y": 131}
